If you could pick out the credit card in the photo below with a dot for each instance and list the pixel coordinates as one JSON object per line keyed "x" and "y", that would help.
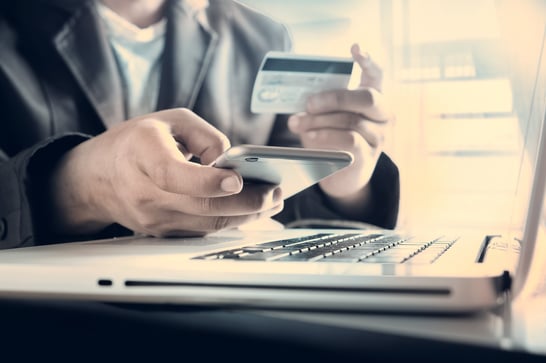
{"x": 285, "y": 80}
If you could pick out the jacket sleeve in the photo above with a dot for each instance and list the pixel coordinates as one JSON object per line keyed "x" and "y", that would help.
{"x": 23, "y": 204}
{"x": 16, "y": 213}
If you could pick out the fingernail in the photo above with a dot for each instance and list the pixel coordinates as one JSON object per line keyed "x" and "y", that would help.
{"x": 277, "y": 195}
{"x": 230, "y": 184}
{"x": 293, "y": 122}
{"x": 355, "y": 48}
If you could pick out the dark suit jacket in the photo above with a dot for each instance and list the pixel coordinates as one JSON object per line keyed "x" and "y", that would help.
{"x": 59, "y": 85}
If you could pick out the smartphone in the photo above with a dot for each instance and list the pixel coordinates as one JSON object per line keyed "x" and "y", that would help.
{"x": 293, "y": 169}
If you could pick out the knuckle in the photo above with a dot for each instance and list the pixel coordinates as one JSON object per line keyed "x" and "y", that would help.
{"x": 354, "y": 139}
{"x": 256, "y": 201}
{"x": 374, "y": 97}
{"x": 182, "y": 112}
{"x": 353, "y": 120}
{"x": 145, "y": 126}
{"x": 339, "y": 99}
{"x": 140, "y": 199}
{"x": 219, "y": 143}
{"x": 160, "y": 174}
{"x": 143, "y": 130}
{"x": 148, "y": 223}
{"x": 206, "y": 205}
{"x": 375, "y": 134}
{"x": 224, "y": 141}
{"x": 220, "y": 222}
{"x": 367, "y": 96}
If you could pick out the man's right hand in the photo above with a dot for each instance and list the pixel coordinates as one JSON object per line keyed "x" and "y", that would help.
{"x": 139, "y": 174}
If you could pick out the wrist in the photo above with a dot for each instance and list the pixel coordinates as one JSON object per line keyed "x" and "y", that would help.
{"x": 75, "y": 209}
{"x": 354, "y": 206}
{"x": 45, "y": 212}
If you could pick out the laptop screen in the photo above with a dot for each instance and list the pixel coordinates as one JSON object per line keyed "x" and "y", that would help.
{"x": 523, "y": 31}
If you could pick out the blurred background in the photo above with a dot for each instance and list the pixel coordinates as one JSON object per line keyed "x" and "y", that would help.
{"x": 460, "y": 78}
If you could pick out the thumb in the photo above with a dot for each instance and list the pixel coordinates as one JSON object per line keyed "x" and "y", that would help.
{"x": 160, "y": 158}
{"x": 372, "y": 74}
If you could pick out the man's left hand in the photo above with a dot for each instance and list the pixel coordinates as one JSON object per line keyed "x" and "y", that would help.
{"x": 350, "y": 120}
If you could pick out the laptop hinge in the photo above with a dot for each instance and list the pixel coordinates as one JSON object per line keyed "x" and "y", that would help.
{"x": 506, "y": 281}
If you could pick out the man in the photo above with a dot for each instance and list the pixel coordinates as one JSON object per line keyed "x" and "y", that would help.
{"x": 71, "y": 169}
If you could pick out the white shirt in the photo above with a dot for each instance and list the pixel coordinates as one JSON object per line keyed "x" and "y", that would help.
{"x": 138, "y": 54}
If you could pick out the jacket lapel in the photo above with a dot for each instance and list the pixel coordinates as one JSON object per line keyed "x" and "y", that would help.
{"x": 86, "y": 51}
{"x": 189, "y": 47}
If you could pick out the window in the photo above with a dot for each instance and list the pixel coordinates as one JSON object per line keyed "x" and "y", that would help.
{"x": 457, "y": 138}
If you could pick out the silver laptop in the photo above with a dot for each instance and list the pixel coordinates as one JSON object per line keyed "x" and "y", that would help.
{"x": 311, "y": 269}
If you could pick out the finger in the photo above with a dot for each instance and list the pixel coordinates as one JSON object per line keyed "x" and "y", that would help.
{"x": 335, "y": 120}
{"x": 363, "y": 60}
{"x": 351, "y": 141}
{"x": 196, "y": 135}
{"x": 182, "y": 149}
{"x": 372, "y": 132}
{"x": 372, "y": 74}
{"x": 159, "y": 158}
{"x": 254, "y": 198}
{"x": 365, "y": 101}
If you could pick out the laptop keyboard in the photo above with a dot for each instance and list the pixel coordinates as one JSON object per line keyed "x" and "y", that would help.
{"x": 349, "y": 247}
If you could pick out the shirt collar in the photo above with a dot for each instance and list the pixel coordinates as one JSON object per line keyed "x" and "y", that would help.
{"x": 119, "y": 27}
